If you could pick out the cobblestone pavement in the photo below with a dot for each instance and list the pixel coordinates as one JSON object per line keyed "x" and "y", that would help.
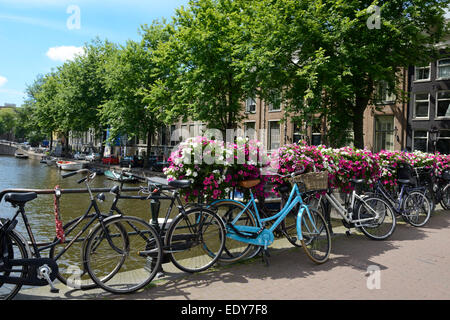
{"x": 413, "y": 264}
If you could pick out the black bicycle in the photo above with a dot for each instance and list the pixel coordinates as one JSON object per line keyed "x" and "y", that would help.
{"x": 437, "y": 186}
{"x": 193, "y": 239}
{"x": 110, "y": 248}
{"x": 408, "y": 201}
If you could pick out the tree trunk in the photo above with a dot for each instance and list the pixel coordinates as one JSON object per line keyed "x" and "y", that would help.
{"x": 358, "y": 122}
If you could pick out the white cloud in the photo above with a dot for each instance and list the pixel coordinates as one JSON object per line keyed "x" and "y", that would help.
{"x": 64, "y": 53}
{"x": 3, "y": 80}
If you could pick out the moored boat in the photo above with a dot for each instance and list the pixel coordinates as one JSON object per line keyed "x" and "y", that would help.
{"x": 69, "y": 165}
{"x": 20, "y": 155}
{"x": 112, "y": 175}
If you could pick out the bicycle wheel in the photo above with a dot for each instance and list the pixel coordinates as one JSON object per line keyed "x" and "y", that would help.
{"x": 123, "y": 254}
{"x": 235, "y": 250}
{"x": 15, "y": 249}
{"x": 378, "y": 218}
{"x": 416, "y": 208}
{"x": 430, "y": 197}
{"x": 445, "y": 202}
{"x": 195, "y": 240}
{"x": 316, "y": 239}
{"x": 72, "y": 270}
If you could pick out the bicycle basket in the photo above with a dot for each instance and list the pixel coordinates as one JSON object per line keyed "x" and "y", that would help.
{"x": 312, "y": 181}
{"x": 404, "y": 171}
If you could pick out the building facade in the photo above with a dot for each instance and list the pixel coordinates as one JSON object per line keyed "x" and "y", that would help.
{"x": 429, "y": 107}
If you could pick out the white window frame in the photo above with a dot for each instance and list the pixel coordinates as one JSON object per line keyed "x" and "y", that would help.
{"x": 437, "y": 69}
{"x": 385, "y": 89}
{"x": 269, "y": 140}
{"x": 270, "y": 105}
{"x": 245, "y": 128}
{"x": 422, "y": 80}
{"x": 444, "y": 138}
{"x": 427, "y": 138}
{"x": 437, "y": 117}
{"x": 414, "y": 106}
{"x": 247, "y": 105}
{"x": 376, "y": 131}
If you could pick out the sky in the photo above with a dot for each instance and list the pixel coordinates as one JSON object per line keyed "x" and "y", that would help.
{"x": 38, "y": 35}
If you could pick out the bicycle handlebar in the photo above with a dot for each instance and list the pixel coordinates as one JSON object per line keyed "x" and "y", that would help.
{"x": 90, "y": 175}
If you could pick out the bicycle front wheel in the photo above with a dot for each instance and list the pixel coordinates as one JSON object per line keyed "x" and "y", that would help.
{"x": 416, "y": 209}
{"x": 376, "y": 218}
{"x": 316, "y": 239}
{"x": 235, "y": 250}
{"x": 123, "y": 254}
{"x": 195, "y": 240}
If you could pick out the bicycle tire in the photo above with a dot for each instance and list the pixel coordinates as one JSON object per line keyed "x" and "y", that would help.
{"x": 71, "y": 269}
{"x": 185, "y": 240}
{"x": 430, "y": 195}
{"x": 368, "y": 227}
{"x": 416, "y": 201}
{"x": 13, "y": 240}
{"x": 315, "y": 233}
{"x": 139, "y": 251}
{"x": 235, "y": 250}
{"x": 289, "y": 223}
{"x": 445, "y": 201}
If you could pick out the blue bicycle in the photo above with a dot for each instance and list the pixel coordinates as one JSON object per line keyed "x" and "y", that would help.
{"x": 248, "y": 233}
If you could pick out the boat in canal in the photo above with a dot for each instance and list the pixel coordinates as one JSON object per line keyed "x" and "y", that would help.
{"x": 115, "y": 176}
{"x": 70, "y": 165}
{"x": 20, "y": 155}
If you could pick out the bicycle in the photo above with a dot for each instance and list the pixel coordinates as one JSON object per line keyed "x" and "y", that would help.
{"x": 437, "y": 186}
{"x": 193, "y": 240}
{"x": 371, "y": 214}
{"x": 411, "y": 202}
{"x": 311, "y": 227}
{"x": 121, "y": 254}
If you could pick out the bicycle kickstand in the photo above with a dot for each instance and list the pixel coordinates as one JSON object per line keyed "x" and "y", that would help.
{"x": 265, "y": 256}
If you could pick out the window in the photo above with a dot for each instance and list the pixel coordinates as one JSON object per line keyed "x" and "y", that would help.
{"x": 274, "y": 135}
{"x": 420, "y": 140}
{"x": 384, "y": 133}
{"x": 421, "y": 105}
{"x": 422, "y": 73}
{"x": 443, "y": 104}
{"x": 443, "y": 69}
{"x": 316, "y": 135}
{"x": 249, "y": 130}
{"x": 173, "y": 137}
{"x": 250, "y": 105}
{"x": 384, "y": 94}
{"x": 274, "y": 103}
{"x": 443, "y": 143}
{"x": 298, "y": 135}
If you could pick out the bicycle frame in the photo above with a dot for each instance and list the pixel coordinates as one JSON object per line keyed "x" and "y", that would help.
{"x": 293, "y": 200}
{"x": 343, "y": 212}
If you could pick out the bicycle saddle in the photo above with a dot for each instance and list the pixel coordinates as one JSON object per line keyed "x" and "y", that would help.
{"x": 181, "y": 184}
{"x": 357, "y": 181}
{"x": 404, "y": 181}
{"x": 249, "y": 183}
{"x": 20, "y": 198}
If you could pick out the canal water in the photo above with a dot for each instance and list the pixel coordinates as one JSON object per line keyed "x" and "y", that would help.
{"x": 31, "y": 174}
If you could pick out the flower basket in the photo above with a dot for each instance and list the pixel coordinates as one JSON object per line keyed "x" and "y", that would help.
{"x": 313, "y": 181}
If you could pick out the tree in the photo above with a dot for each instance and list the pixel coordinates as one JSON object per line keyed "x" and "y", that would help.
{"x": 327, "y": 58}
{"x": 201, "y": 58}
{"x": 129, "y": 75}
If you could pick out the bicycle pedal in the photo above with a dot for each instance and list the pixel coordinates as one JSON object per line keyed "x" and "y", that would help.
{"x": 348, "y": 233}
